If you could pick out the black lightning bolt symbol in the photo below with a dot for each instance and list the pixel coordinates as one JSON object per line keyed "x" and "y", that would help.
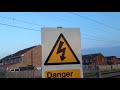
{"x": 61, "y": 50}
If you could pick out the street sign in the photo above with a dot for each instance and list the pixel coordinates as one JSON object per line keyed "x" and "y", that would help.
{"x": 61, "y": 53}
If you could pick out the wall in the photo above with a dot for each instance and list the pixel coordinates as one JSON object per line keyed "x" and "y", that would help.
{"x": 99, "y": 60}
{"x": 109, "y": 67}
{"x": 23, "y": 74}
{"x": 36, "y": 57}
{"x": 27, "y": 58}
{"x": 115, "y": 60}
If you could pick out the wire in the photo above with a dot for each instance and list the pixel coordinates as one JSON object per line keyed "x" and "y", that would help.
{"x": 43, "y": 25}
{"x": 96, "y": 21}
{"x": 21, "y": 21}
{"x": 98, "y": 37}
{"x": 72, "y": 22}
{"x": 97, "y": 40}
{"x": 62, "y": 19}
{"x": 40, "y": 31}
{"x": 19, "y": 27}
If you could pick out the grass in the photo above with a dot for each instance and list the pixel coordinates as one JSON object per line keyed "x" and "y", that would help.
{"x": 109, "y": 71}
{"x": 102, "y": 71}
{"x": 89, "y": 72}
{"x": 93, "y": 73}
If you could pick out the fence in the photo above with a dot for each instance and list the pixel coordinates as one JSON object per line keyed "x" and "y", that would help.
{"x": 88, "y": 71}
{"x": 22, "y": 74}
{"x": 89, "y": 68}
{"x": 92, "y": 72}
{"x": 109, "y": 67}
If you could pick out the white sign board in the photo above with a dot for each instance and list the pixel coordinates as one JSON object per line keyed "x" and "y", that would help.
{"x": 61, "y": 53}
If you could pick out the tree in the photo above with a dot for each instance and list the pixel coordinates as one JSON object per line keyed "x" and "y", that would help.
{"x": 109, "y": 62}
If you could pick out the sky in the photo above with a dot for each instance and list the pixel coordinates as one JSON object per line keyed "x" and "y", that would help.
{"x": 19, "y": 30}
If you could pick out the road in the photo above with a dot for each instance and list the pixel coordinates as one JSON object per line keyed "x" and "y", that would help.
{"x": 116, "y": 76}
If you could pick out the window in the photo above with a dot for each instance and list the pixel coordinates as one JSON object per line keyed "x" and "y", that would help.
{"x": 17, "y": 70}
{"x": 12, "y": 70}
{"x": 11, "y": 61}
{"x": 15, "y": 60}
{"x": 8, "y": 61}
{"x": 5, "y": 62}
{"x": 1, "y": 63}
{"x": 83, "y": 61}
{"x": 19, "y": 59}
{"x": 90, "y": 60}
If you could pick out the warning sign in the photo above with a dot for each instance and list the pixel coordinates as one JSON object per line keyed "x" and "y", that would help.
{"x": 63, "y": 73}
{"x": 61, "y": 53}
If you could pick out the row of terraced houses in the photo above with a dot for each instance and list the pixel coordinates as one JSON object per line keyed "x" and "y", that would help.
{"x": 30, "y": 58}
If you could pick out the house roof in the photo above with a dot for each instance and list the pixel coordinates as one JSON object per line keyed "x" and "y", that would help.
{"x": 18, "y": 53}
{"x": 6, "y": 57}
{"x": 89, "y": 56}
{"x": 110, "y": 57}
{"x": 16, "y": 65}
{"x": 22, "y": 51}
{"x": 7, "y": 65}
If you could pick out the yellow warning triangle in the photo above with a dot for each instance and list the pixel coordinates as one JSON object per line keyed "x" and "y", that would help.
{"x": 61, "y": 53}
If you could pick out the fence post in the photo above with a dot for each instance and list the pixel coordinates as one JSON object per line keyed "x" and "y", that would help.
{"x": 98, "y": 72}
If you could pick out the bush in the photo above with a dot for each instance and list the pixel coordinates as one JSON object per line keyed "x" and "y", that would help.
{"x": 109, "y": 62}
{"x": 2, "y": 73}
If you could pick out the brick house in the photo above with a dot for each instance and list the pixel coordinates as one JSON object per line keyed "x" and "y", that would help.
{"x": 119, "y": 60}
{"x": 1, "y": 63}
{"x": 94, "y": 59}
{"x": 25, "y": 59}
{"x": 112, "y": 60}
